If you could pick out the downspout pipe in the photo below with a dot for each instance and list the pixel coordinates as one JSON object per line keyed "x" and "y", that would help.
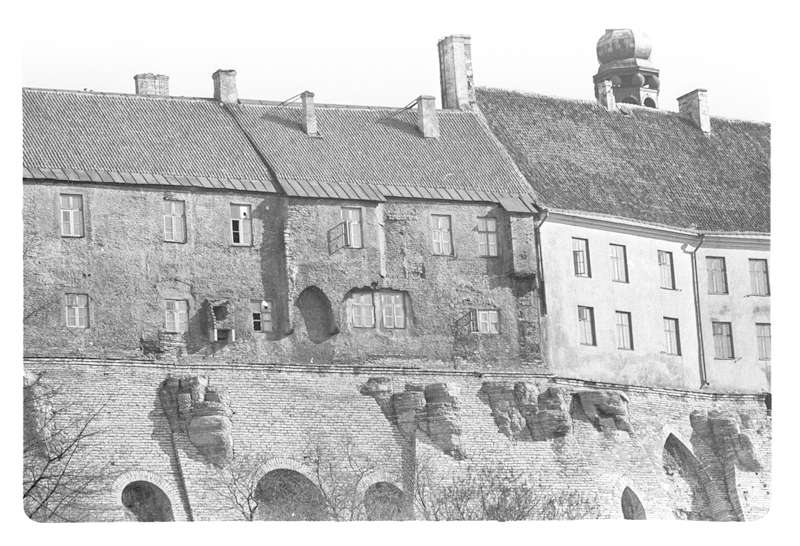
{"x": 701, "y": 352}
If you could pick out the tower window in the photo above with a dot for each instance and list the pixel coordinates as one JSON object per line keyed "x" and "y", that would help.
{"x": 650, "y": 103}
{"x": 241, "y": 225}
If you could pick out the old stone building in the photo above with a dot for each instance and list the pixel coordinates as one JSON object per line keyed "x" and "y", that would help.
{"x": 230, "y": 279}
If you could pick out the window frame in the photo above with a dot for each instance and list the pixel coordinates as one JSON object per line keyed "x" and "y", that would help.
{"x": 435, "y": 229}
{"x": 264, "y": 313}
{"x": 353, "y": 305}
{"x": 765, "y": 272}
{"x": 714, "y": 336}
{"x": 615, "y": 262}
{"x": 723, "y": 272}
{"x": 177, "y": 323}
{"x": 761, "y": 353}
{"x": 487, "y": 312}
{"x": 628, "y": 327}
{"x": 348, "y": 225}
{"x": 77, "y": 307}
{"x": 393, "y": 306}
{"x": 485, "y": 236}
{"x": 249, "y": 220}
{"x": 81, "y": 216}
{"x": 593, "y": 329}
{"x": 671, "y": 270}
{"x": 587, "y": 261}
{"x": 667, "y": 332}
{"x": 181, "y": 218}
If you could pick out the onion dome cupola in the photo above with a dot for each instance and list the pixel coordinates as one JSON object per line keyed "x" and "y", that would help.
{"x": 624, "y": 57}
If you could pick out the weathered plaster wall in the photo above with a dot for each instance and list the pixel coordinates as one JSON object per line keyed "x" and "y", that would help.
{"x": 647, "y": 363}
{"x": 743, "y": 310}
{"x": 128, "y": 271}
{"x": 277, "y": 410}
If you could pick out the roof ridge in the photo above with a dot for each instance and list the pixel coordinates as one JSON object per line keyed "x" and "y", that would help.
{"x": 638, "y": 107}
{"x": 115, "y": 94}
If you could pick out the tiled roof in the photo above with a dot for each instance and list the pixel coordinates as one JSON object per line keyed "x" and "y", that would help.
{"x": 103, "y": 137}
{"x": 362, "y": 153}
{"x": 638, "y": 163}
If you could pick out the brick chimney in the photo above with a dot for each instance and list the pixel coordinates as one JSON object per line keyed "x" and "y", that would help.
{"x": 605, "y": 95}
{"x": 152, "y": 84}
{"x": 455, "y": 72}
{"x": 309, "y": 115}
{"x": 225, "y": 86}
{"x": 427, "y": 121}
{"x": 694, "y": 105}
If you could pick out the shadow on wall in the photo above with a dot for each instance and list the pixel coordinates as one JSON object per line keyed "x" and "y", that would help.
{"x": 631, "y": 505}
{"x": 146, "y": 502}
{"x": 317, "y": 313}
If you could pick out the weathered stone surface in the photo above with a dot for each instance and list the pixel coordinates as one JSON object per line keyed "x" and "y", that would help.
{"x": 722, "y": 431}
{"x": 201, "y": 411}
{"x": 431, "y": 409}
{"x": 606, "y": 410}
{"x": 522, "y": 413}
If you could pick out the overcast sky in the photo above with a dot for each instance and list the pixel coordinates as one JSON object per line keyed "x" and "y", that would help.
{"x": 385, "y": 53}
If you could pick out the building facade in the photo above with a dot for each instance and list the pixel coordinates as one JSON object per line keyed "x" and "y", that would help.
{"x": 233, "y": 278}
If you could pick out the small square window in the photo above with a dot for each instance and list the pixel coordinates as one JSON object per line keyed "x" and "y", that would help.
{"x": 77, "y": 310}
{"x": 71, "y": 215}
{"x": 488, "y": 321}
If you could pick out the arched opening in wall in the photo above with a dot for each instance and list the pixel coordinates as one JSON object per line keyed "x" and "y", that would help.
{"x": 630, "y": 100}
{"x": 383, "y": 501}
{"x": 146, "y": 502}
{"x": 686, "y": 489}
{"x": 284, "y": 494}
{"x": 650, "y": 103}
{"x": 315, "y": 308}
{"x": 631, "y": 506}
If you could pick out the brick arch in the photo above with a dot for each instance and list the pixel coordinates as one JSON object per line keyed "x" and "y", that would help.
{"x": 123, "y": 480}
{"x": 378, "y": 476}
{"x": 289, "y": 494}
{"x": 667, "y": 431}
{"x": 279, "y": 463}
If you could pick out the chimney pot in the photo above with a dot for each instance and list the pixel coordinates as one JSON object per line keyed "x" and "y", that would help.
{"x": 427, "y": 121}
{"x": 225, "y": 86}
{"x": 694, "y": 104}
{"x": 605, "y": 95}
{"x": 455, "y": 72}
{"x": 309, "y": 114}
{"x": 152, "y": 84}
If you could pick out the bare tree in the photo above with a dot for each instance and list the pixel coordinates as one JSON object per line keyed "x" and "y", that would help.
{"x": 499, "y": 492}
{"x": 59, "y": 474}
{"x": 237, "y": 483}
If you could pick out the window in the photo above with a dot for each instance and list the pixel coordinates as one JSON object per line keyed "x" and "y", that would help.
{"x": 723, "y": 340}
{"x": 352, "y": 219}
{"x": 77, "y": 310}
{"x": 586, "y": 325}
{"x": 174, "y": 221}
{"x": 624, "y": 330}
{"x": 717, "y": 276}
{"x": 176, "y": 316}
{"x": 241, "y": 225}
{"x": 580, "y": 257}
{"x": 759, "y": 278}
{"x": 261, "y": 313}
{"x": 619, "y": 263}
{"x": 764, "y": 337}
{"x": 672, "y": 336}
{"x": 667, "y": 269}
{"x": 442, "y": 236}
{"x": 488, "y": 321}
{"x": 71, "y": 215}
{"x": 362, "y": 310}
{"x": 393, "y": 310}
{"x": 487, "y": 236}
